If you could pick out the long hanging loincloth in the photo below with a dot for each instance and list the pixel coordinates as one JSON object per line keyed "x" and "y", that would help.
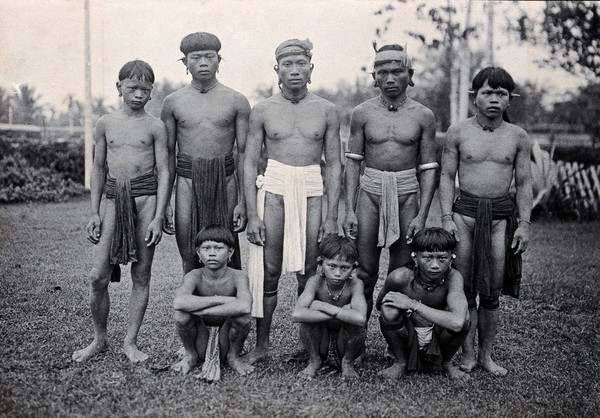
{"x": 209, "y": 196}
{"x": 485, "y": 210}
{"x": 123, "y": 248}
{"x": 295, "y": 184}
{"x": 389, "y": 185}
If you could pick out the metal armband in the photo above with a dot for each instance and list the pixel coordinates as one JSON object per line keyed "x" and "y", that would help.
{"x": 354, "y": 156}
{"x": 428, "y": 166}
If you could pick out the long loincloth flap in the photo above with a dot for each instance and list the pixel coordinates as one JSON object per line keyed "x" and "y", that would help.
{"x": 485, "y": 210}
{"x": 124, "y": 191}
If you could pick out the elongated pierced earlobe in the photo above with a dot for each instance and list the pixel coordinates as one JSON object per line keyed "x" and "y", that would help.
{"x": 276, "y": 67}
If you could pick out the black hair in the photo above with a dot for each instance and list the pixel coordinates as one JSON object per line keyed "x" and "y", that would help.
{"x": 433, "y": 239}
{"x": 137, "y": 70}
{"x": 333, "y": 246}
{"x": 497, "y": 77}
{"x": 216, "y": 233}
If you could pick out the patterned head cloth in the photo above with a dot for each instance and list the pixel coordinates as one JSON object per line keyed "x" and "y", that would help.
{"x": 294, "y": 47}
{"x": 398, "y": 54}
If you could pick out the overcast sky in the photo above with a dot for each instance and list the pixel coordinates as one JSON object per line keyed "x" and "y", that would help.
{"x": 41, "y": 42}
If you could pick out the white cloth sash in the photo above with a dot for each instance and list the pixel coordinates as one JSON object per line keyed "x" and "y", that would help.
{"x": 295, "y": 184}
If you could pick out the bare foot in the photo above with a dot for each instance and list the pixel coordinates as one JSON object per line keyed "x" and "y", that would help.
{"x": 455, "y": 373}
{"x": 492, "y": 367}
{"x": 311, "y": 370}
{"x": 348, "y": 371}
{"x": 395, "y": 371}
{"x": 467, "y": 364}
{"x": 90, "y": 351}
{"x": 188, "y": 362}
{"x": 255, "y": 355}
{"x": 134, "y": 354}
{"x": 240, "y": 366}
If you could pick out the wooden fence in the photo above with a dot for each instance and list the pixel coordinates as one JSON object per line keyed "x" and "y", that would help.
{"x": 578, "y": 189}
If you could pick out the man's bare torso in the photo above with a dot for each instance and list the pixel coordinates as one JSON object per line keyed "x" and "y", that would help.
{"x": 392, "y": 138}
{"x": 206, "y": 123}
{"x": 487, "y": 159}
{"x": 295, "y": 132}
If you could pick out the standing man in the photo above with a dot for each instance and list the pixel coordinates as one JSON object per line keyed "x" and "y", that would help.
{"x": 486, "y": 150}
{"x": 205, "y": 120}
{"x": 395, "y": 137}
{"x": 284, "y": 217}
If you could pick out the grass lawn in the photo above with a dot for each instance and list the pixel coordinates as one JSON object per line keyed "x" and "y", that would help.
{"x": 548, "y": 339}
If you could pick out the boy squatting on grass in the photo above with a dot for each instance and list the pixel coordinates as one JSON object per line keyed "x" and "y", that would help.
{"x": 424, "y": 315}
{"x": 132, "y": 146}
{"x": 332, "y": 308}
{"x": 212, "y": 308}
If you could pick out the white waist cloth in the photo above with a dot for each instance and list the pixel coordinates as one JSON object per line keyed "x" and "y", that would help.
{"x": 295, "y": 184}
{"x": 389, "y": 185}
{"x": 424, "y": 335}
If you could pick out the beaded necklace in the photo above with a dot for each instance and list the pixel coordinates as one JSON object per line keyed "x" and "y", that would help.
{"x": 391, "y": 106}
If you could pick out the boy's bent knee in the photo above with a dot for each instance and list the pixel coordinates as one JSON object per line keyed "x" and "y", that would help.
{"x": 390, "y": 314}
{"x": 242, "y": 323}
{"x": 183, "y": 318}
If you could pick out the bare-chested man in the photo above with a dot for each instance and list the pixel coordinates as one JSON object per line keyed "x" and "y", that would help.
{"x": 487, "y": 150}
{"x": 204, "y": 121}
{"x": 130, "y": 147}
{"x": 284, "y": 217}
{"x": 391, "y": 133}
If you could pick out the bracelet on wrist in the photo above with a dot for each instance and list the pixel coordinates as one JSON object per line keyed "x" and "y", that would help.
{"x": 410, "y": 311}
{"x": 446, "y": 215}
{"x": 525, "y": 220}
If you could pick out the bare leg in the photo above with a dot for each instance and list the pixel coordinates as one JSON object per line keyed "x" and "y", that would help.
{"x": 469, "y": 358}
{"x": 488, "y": 316}
{"x": 462, "y": 263}
{"x": 450, "y": 342}
{"x": 273, "y": 256}
{"x": 100, "y": 305}
{"x": 240, "y": 327}
{"x": 140, "y": 275}
{"x": 367, "y": 213}
{"x": 488, "y": 328}
{"x": 183, "y": 216}
{"x": 400, "y": 250}
{"x": 397, "y": 339}
{"x": 351, "y": 343}
{"x": 186, "y": 329}
{"x": 311, "y": 335}
{"x": 263, "y": 331}
{"x": 99, "y": 278}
